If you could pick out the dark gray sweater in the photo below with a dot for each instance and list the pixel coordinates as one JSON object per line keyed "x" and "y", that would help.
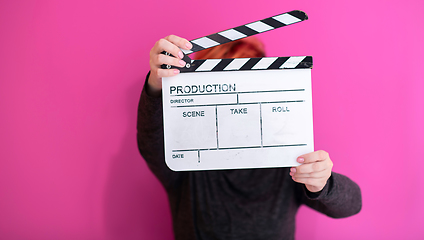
{"x": 235, "y": 204}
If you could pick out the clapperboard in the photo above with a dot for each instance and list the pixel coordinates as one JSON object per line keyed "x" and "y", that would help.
{"x": 238, "y": 113}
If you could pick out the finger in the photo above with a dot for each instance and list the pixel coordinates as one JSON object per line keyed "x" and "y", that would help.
{"x": 311, "y": 181}
{"x": 319, "y": 155}
{"x": 167, "y": 46}
{"x": 168, "y": 60}
{"x": 179, "y": 41}
{"x": 320, "y": 174}
{"x": 166, "y": 72}
{"x": 313, "y": 167}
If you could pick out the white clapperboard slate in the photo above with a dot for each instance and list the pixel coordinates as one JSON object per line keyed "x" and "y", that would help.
{"x": 238, "y": 113}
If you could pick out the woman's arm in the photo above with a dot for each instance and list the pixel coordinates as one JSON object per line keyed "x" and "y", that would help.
{"x": 323, "y": 190}
{"x": 150, "y": 115}
{"x": 341, "y": 197}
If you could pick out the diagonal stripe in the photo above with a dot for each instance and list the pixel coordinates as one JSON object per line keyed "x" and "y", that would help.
{"x": 278, "y": 63}
{"x": 208, "y": 65}
{"x": 259, "y": 26}
{"x": 186, "y": 52}
{"x": 196, "y": 47}
{"x": 205, "y": 42}
{"x": 286, "y": 19}
{"x": 264, "y": 63}
{"x": 292, "y": 62}
{"x": 232, "y": 34}
{"x": 273, "y": 23}
{"x": 223, "y": 64}
{"x": 218, "y": 38}
{"x": 236, "y": 64}
{"x": 245, "y": 30}
{"x": 196, "y": 64}
{"x": 252, "y": 62}
{"x": 305, "y": 63}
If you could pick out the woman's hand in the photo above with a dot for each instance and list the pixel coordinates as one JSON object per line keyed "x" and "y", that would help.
{"x": 172, "y": 45}
{"x": 314, "y": 171}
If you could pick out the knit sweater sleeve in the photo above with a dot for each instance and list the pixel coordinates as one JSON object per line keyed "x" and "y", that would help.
{"x": 341, "y": 197}
{"x": 150, "y": 137}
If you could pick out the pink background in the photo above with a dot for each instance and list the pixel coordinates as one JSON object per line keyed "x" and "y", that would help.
{"x": 70, "y": 77}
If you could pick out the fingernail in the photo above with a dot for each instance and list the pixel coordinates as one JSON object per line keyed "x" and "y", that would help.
{"x": 188, "y": 45}
{"x": 291, "y": 174}
{"x": 293, "y": 169}
{"x": 301, "y": 160}
{"x": 180, "y": 54}
{"x": 182, "y": 63}
{"x": 176, "y": 71}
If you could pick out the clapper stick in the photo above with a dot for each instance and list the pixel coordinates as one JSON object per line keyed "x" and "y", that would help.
{"x": 242, "y": 64}
{"x": 240, "y": 32}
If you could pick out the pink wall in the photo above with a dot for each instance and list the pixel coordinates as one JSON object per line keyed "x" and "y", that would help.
{"x": 70, "y": 77}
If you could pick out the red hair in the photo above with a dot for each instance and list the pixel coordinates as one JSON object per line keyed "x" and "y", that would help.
{"x": 244, "y": 48}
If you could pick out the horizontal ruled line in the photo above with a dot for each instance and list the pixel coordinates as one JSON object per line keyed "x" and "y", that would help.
{"x": 289, "y": 145}
{"x": 233, "y": 148}
{"x": 226, "y": 104}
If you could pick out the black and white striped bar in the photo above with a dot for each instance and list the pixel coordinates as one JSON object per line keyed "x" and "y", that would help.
{"x": 240, "y": 64}
{"x": 247, "y": 30}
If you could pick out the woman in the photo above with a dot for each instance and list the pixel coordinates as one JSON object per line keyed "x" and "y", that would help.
{"x": 235, "y": 204}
